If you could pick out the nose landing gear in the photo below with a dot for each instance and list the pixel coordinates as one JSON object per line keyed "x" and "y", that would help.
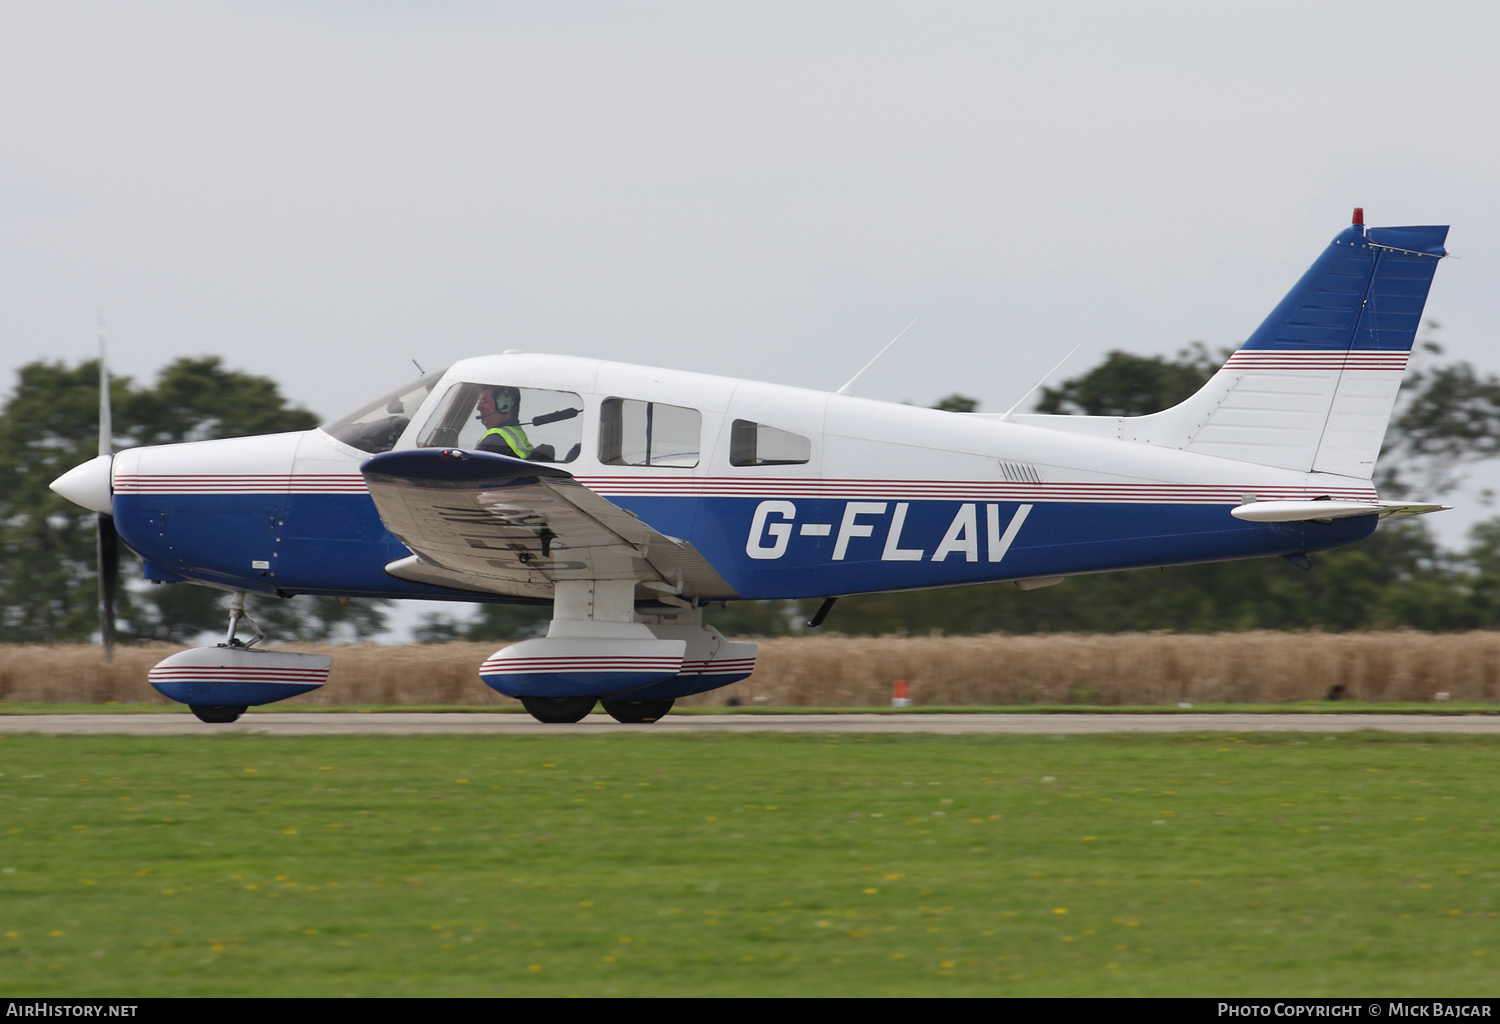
{"x": 216, "y": 714}
{"x": 219, "y": 683}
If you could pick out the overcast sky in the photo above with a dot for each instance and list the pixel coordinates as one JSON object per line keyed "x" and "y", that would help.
{"x": 322, "y": 192}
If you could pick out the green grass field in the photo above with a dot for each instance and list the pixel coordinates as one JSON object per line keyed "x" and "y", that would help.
{"x": 744, "y": 864}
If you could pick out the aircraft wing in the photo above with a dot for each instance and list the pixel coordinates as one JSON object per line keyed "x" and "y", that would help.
{"x": 493, "y": 524}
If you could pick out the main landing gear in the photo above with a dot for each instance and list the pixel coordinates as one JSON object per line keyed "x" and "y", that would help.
{"x": 637, "y": 712}
{"x": 567, "y": 710}
{"x": 559, "y": 710}
{"x": 634, "y": 653}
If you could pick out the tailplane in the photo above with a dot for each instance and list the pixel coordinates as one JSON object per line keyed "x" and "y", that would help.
{"x": 1314, "y": 387}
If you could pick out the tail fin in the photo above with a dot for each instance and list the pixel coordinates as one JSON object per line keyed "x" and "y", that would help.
{"x": 1313, "y": 388}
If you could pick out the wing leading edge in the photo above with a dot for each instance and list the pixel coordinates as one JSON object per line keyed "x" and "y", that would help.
{"x": 493, "y": 524}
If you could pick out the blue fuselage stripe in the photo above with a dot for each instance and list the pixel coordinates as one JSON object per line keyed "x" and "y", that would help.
{"x": 811, "y": 547}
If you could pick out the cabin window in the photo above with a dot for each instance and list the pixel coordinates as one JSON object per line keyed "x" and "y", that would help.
{"x": 532, "y": 423}
{"x": 376, "y": 427}
{"x": 634, "y": 433}
{"x": 756, "y": 444}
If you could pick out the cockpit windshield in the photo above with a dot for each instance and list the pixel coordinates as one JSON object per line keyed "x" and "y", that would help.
{"x": 376, "y": 427}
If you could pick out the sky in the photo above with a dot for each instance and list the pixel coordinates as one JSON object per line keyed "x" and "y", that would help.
{"x": 323, "y": 192}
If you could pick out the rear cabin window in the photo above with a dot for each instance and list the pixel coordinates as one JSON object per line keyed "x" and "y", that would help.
{"x": 537, "y": 425}
{"x": 635, "y": 433}
{"x": 756, "y": 444}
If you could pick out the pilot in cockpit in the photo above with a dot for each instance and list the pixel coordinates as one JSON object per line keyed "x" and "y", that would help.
{"x": 499, "y": 409}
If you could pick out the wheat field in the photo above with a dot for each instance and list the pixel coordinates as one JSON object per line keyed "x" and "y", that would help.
{"x": 846, "y": 671}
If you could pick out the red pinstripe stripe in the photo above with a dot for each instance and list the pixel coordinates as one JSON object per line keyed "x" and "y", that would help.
{"x": 211, "y": 675}
{"x": 579, "y": 664}
{"x": 232, "y": 669}
{"x": 893, "y": 490}
{"x": 762, "y": 487}
{"x": 241, "y": 483}
{"x": 1299, "y": 360}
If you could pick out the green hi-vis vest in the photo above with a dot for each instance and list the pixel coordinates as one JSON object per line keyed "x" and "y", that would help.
{"x": 513, "y": 436}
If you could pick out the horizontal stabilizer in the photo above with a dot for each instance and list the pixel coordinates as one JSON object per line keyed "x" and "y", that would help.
{"x": 1304, "y": 511}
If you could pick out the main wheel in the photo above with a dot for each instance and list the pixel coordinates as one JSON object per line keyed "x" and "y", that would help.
{"x": 637, "y": 712}
{"x": 558, "y": 710}
{"x": 215, "y": 714}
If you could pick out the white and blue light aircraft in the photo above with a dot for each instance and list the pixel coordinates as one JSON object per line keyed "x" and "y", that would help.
{"x": 629, "y": 498}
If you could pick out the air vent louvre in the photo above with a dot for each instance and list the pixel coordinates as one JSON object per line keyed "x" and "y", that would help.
{"x": 1020, "y": 472}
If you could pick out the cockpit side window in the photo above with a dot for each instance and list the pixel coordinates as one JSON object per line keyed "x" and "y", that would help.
{"x": 376, "y": 427}
{"x": 636, "y": 433}
{"x": 536, "y": 424}
{"x": 756, "y": 444}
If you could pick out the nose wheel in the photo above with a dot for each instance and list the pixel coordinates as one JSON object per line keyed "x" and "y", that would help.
{"x": 217, "y": 715}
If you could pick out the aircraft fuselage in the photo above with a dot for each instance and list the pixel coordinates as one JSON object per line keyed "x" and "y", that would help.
{"x": 845, "y": 495}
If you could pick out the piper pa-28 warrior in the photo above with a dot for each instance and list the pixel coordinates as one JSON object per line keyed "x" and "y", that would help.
{"x": 629, "y": 498}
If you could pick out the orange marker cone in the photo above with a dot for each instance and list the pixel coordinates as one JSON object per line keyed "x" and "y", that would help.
{"x": 900, "y": 698}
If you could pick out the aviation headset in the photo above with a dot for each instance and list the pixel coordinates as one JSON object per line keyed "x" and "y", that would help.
{"x": 507, "y": 400}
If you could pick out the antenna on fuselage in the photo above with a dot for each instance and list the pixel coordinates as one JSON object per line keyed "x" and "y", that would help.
{"x": 419, "y": 367}
{"x": 861, "y": 373}
{"x": 1004, "y": 416}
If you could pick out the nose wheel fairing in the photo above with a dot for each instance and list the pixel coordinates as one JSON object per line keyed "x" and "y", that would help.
{"x": 237, "y": 676}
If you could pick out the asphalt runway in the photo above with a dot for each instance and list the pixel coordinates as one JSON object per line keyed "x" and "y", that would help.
{"x": 404, "y": 723}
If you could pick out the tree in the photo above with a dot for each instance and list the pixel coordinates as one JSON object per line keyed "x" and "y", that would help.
{"x": 1447, "y": 418}
{"x": 506, "y": 622}
{"x": 1131, "y": 385}
{"x": 497, "y": 622}
{"x": 198, "y": 399}
{"x": 957, "y": 403}
{"x": 317, "y": 617}
{"x": 48, "y": 583}
{"x": 48, "y": 576}
{"x": 759, "y": 618}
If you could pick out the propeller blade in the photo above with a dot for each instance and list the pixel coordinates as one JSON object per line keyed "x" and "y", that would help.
{"x": 106, "y": 421}
{"x": 109, "y": 570}
{"x": 108, "y": 541}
